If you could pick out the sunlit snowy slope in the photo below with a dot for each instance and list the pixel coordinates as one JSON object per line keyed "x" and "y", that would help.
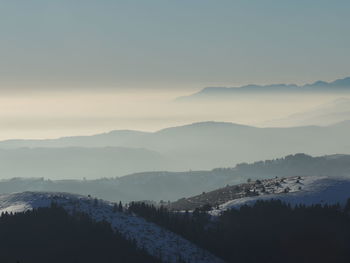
{"x": 299, "y": 190}
{"x": 154, "y": 239}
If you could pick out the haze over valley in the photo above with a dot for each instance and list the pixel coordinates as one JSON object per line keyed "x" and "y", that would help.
{"x": 52, "y": 114}
{"x": 157, "y": 131}
{"x": 197, "y": 146}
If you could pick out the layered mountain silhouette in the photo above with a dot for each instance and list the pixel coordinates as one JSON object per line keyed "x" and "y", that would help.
{"x": 172, "y": 186}
{"x": 198, "y": 146}
{"x": 337, "y": 86}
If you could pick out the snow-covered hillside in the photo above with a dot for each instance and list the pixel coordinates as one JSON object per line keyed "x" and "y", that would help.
{"x": 297, "y": 190}
{"x": 157, "y": 241}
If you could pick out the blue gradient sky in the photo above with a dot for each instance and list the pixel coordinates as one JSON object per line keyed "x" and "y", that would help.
{"x": 171, "y": 44}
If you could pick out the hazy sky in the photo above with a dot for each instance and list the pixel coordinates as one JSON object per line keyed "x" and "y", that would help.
{"x": 72, "y": 67}
{"x": 175, "y": 44}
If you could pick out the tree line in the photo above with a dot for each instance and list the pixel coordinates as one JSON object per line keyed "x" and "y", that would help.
{"x": 268, "y": 231}
{"x": 52, "y": 235}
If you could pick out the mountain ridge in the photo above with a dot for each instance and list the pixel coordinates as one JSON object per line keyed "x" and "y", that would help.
{"x": 200, "y": 146}
{"x": 156, "y": 241}
{"x": 10, "y": 143}
{"x": 171, "y": 186}
{"x": 339, "y": 85}
{"x": 318, "y": 190}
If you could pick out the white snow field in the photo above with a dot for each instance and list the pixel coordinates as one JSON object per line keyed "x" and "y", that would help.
{"x": 157, "y": 241}
{"x": 307, "y": 190}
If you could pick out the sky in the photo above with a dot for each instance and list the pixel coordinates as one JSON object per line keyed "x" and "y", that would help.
{"x": 92, "y": 62}
{"x": 171, "y": 44}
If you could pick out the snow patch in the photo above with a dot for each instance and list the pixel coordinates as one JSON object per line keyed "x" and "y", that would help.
{"x": 156, "y": 240}
{"x": 302, "y": 190}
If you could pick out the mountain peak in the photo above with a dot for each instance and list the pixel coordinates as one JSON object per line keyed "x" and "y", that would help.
{"x": 205, "y": 125}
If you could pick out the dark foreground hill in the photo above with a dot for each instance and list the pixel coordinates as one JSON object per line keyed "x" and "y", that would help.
{"x": 275, "y": 231}
{"x": 52, "y": 235}
{"x": 267, "y": 231}
{"x": 148, "y": 237}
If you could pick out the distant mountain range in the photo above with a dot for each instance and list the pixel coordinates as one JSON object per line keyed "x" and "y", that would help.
{"x": 175, "y": 185}
{"x": 337, "y": 86}
{"x": 198, "y": 146}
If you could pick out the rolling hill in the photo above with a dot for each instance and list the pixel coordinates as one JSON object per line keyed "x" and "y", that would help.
{"x": 172, "y": 186}
{"x": 294, "y": 190}
{"x": 198, "y": 146}
{"x": 155, "y": 240}
{"x": 301, "y": 190}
